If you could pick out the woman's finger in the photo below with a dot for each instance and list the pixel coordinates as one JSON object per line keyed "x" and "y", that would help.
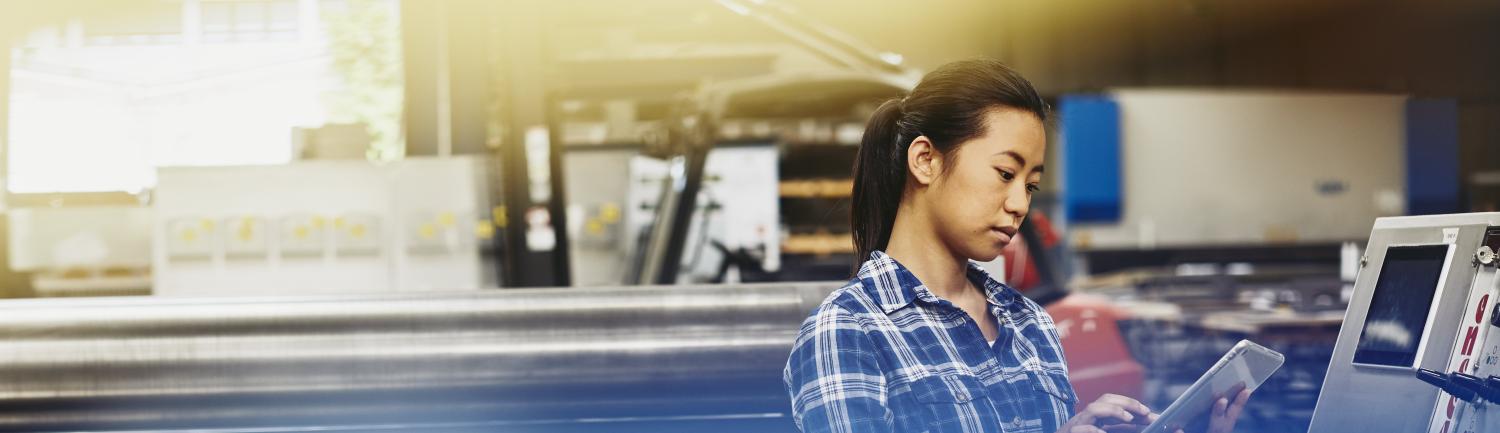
{"x": 1239, "y": 386}
{"x": 1220, "y": 406}
{"x": 1087, "y": 415}
{"x": 1244, "y": 397}
{"x": 1130, "y": 404}
{"x": 1240, "y": 400}
{"x": 1100, "y": 409}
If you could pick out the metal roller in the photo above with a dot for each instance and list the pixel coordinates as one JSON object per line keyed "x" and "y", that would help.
{"x": 541, "y": 358}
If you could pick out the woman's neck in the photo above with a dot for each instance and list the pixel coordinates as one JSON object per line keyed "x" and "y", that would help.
{"x": 914, "y": 244}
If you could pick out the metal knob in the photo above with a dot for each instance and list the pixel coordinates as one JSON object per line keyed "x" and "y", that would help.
{"x": 1485, "y": 256}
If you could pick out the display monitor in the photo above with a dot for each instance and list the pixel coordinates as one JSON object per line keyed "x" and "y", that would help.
{"x": 1397, "y": 318}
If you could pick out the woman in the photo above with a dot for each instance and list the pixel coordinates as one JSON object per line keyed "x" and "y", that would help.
{"x": 922, "y": 339}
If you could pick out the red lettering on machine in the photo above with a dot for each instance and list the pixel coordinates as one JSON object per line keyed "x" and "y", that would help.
{"x": 1471, "y": 335}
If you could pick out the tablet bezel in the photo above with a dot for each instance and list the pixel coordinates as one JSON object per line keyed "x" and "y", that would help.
{"x": 1170, "y": 415}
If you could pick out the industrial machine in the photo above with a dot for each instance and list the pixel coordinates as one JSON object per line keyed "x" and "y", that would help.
{"x": 319, "y": 227}
{"x": 1419, "y": 351}
{"x": 1128, "y": 151}
{"x": 691, "y": 134}
{"x": 645, "y": 359}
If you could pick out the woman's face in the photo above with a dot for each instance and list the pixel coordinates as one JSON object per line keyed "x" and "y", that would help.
{"x": 984, "y": 188}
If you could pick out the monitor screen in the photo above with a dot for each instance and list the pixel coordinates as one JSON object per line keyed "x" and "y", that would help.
{"x": 1398, "y": 311}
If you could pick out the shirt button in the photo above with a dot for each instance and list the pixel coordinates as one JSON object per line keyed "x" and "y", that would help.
{"x": 1015, "y": 423}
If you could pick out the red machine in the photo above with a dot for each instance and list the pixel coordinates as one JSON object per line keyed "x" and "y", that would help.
{"x": 1098, "y": 360}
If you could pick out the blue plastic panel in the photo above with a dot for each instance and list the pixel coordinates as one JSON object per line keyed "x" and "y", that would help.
{"x": 1432, "y": 180}
{"x": 1091, "y": 158}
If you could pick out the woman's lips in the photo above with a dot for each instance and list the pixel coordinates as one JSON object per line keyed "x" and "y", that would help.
{"x": 1004, "y": 234}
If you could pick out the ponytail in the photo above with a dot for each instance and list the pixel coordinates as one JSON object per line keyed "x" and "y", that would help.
{"x": 949, "y": 107}
{"x": 879, "y": 178}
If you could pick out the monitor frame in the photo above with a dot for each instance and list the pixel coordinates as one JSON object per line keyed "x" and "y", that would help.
{"x": 1437, "y": 296}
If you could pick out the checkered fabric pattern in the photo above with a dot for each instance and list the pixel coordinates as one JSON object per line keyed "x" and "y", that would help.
{"x": 883, "y": 354}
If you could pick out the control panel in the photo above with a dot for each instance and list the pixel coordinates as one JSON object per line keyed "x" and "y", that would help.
{"x": 1419, "y": 350}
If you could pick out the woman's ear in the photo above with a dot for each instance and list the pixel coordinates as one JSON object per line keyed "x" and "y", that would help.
{"x": 923, "y": 161}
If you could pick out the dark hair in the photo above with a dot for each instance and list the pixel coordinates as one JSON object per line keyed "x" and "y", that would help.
{"x": 948, "y": 107}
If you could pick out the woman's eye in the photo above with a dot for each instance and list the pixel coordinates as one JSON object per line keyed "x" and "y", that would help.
{"x": 1007, "y": 176}
{"x": 1033, "y": 188}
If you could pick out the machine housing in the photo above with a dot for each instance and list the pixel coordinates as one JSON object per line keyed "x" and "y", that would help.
{"x": 1423, "y": 300}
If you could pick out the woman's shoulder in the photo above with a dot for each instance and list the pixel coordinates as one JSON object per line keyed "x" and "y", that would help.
{"x": 853, "y": 298}
{"x": 845, "y": 319}
{"x": 850, "y": 303}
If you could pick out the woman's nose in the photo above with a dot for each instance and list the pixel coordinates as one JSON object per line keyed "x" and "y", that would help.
{"x": 1016, "y": 204}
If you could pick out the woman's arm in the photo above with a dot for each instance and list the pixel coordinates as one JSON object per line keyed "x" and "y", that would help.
{"x": 833, "y": 376}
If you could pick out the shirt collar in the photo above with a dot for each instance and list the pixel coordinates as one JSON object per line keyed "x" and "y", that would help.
{"x": 893, "y": 286}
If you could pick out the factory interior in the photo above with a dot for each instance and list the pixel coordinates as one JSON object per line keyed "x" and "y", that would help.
{"x": 614, "y": 216}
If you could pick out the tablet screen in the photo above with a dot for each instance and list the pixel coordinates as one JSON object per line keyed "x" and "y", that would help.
{"x": 1397, "y": 318}
{"x": 1248, "y": 364}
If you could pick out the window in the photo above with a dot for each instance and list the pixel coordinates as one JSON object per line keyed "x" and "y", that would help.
{"x": 102, "y": 113}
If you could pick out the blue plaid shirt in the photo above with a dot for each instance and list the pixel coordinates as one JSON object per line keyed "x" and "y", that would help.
{"x": 883, "y": 354}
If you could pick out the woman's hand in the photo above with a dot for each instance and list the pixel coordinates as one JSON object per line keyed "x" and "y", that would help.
{"x": 1119, "y": 414}
{"x": 1225, "y": 412}
{"x": 1111, "y": 414}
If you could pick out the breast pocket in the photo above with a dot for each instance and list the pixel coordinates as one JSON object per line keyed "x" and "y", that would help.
{"x": 1057, "y": 387}
{"x": 955, "y": 403}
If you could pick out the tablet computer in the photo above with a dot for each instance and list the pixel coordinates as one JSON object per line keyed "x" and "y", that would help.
{"x": 1247, "y": 363}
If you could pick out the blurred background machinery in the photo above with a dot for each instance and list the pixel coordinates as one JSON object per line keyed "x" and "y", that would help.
{"x": 648, "y": 358}
{"x": 378, "y": 215}
{"x": 321, "y": 227}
